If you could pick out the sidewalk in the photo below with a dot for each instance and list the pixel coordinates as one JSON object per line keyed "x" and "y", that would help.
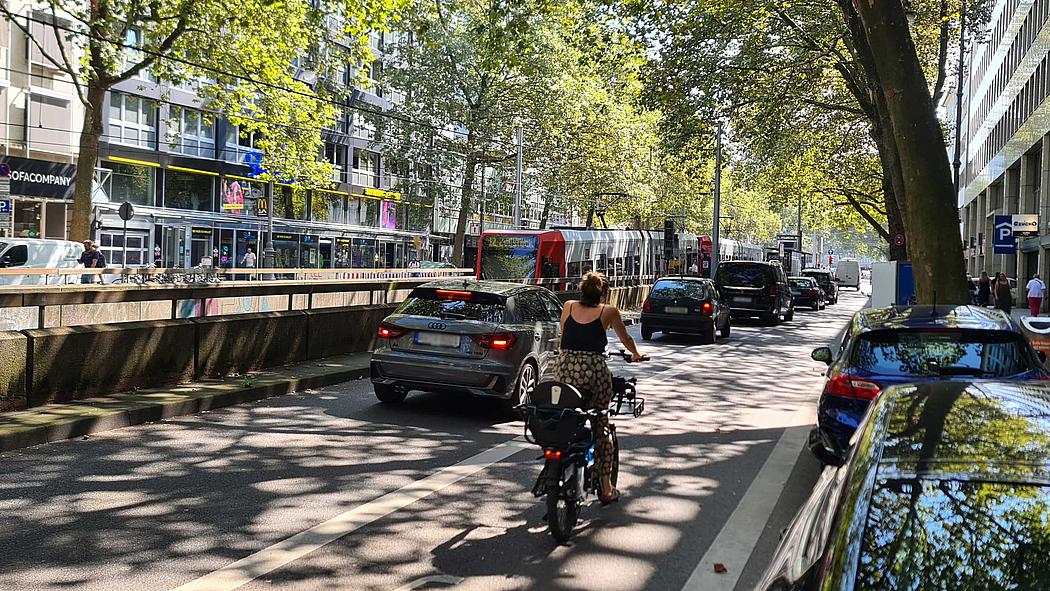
{"x": 54, "y": 422}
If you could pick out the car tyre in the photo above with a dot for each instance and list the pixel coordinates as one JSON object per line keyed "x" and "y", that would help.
{"x": 771, "y": 319}
{"x": 647, "y": 335}
{"x": 791, "y": 314}
{"x": 708, "y": 337}
{"x": 726, "y": 328}
{"x": 524, "y": 384}
{"x": 388, "y": 394}
{"x": 816, "y": 307}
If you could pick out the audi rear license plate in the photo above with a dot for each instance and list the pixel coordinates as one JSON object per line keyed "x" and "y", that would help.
{"x": 676, "y": 310}
{"x": 437, "y": 339}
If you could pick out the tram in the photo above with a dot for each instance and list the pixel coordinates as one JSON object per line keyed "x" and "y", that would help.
{"x": 728, "y": 250}
{"x": 568, "y": 253}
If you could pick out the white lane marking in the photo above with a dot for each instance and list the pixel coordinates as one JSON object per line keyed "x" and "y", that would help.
{"x": 291, "y": 549}
{"x": 740, "y": 534}
{"x": 445, "y": 580}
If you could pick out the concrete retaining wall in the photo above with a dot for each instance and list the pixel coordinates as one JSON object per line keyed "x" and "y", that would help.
{"x": 14, "y": 348}
{"x": 76, "y": 362}
{"x": 338, "y": 331}
{"x": 245, "y": 342}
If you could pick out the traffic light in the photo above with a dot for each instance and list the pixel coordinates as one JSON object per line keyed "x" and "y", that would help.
{"x": 668, "y": 231}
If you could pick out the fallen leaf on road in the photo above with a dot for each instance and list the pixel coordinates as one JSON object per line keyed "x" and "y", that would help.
{"x": 720, "y": 568}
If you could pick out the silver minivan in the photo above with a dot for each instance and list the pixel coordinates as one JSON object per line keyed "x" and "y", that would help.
{"x": 485, "y": 338}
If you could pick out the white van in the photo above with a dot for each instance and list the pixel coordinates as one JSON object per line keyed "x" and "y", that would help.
{"x": 847, "y": 273}
{"x": 38, "y": 253}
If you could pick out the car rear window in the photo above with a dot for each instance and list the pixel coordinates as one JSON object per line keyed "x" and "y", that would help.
{"x": 980, "y": 353}
{"x": 675, "y": 288}
{"x": 952, "y": 534}
{"x": 454, "y": 304}
{"x": 820, "y": 277}
{"x": 803, "y": 283}
{"x": 742, "y": 275}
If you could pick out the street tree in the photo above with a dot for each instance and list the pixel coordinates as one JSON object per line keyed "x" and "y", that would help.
{"x": 243, "y": 49}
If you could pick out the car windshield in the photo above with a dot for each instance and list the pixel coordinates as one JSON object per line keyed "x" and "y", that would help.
{"x": 980, "y": 353}
{"x": 508, "y": 256}
{"x": 959, "y": 535}
{"x": 675, "y": 288}
{"x": 742, "y": 275}
{"x": 458, "y": 306}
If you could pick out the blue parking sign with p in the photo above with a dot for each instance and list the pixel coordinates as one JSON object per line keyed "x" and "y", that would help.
{"x": 1003, "y": 241}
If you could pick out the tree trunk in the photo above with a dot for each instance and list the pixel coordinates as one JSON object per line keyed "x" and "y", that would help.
{"x": 80, "y": 226}
{"x": 466, "y": 198}
{"x": 894, "y": 223}
{"x": 545, "y": 216}
{"x": 930, "y": 215}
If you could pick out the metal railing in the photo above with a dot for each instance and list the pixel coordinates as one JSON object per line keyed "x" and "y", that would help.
{"x": 194, "y": 275}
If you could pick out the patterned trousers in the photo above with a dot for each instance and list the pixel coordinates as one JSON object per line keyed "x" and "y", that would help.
{"x": 587, "y": 371}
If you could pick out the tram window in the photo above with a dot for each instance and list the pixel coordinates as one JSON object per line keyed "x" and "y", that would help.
{"x": 619, "y": 266}
{"x": 603, "y": 263}
{"x": 574, "y": 269}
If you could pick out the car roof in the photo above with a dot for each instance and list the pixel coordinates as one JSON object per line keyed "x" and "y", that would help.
{"x": 817, "y": 271}
{"x": 918, "y": 317}
{"x": 684, "y": 278}
{"x": 501, "y": 288}
{"x": 801, "y": 277}
{"x": 963, "y": 430}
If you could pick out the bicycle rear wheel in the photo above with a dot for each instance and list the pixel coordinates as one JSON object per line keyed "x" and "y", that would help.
{"x": 562, "y": 507}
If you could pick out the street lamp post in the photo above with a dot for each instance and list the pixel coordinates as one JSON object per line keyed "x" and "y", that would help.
{"x": 798, "y": 245}
{"x": 269, "y": 254}
{"x": 957, "y": 161}
{"x": 519, "y": 133}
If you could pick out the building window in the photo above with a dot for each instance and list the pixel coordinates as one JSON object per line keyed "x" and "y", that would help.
{"x": 196, "y": 134}
{"x": 239, "y": 143}
{"x": 337, "y": 155}
{"x": 127, "y": 182}
{"x": 187, "y": 190}
{"x": 240, "y": 197}
{"x": 132, "y": 120}
{"x": 111, "y": 244}
{"x": 366, "y": 168}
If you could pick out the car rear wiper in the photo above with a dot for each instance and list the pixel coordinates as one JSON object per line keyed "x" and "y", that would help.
{"x": 453, "y": 316}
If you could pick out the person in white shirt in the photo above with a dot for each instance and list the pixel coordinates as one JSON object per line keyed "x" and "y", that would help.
{"x": 694, "y": 270}
{"x": 1036, "y": 290}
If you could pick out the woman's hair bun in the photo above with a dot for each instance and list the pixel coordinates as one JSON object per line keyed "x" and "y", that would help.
{"x": 593, "y": 288}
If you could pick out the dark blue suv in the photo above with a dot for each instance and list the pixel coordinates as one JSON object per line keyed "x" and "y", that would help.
{"x": 897, "y": 345}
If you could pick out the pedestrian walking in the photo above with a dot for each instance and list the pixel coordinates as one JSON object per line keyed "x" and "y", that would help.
{"x": 1036, "y": 289}
{"x": 1001, "y": 293}
{"x": 984, "y": 289}
{"x": 91, "y": 258}
{"x": 248, "y": 261}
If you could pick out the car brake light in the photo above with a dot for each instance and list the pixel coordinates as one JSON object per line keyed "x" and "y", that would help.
{"x": 707, "y": 308}
{"x": 500, "y": 341}
{"x": 809, "y": 292}
{"x": 847, "y": 386}
{"x": 389, "y": 331}
{"x": 552, "y": 454}
{"x": 449, "y": 294}
{"x": 647, "y": 306}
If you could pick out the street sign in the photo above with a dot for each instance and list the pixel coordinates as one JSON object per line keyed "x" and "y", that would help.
{"x": 5, "y": 206}
{"x": 5, "y": 187}
{"x": 1025, "y": 224}
{"x": 126, "y": 211}
{"x": 831, "y": 251}
{"x": 898, "y": 240}
{"x": 1003, "y": 241}
{"x": 5, "y": 170}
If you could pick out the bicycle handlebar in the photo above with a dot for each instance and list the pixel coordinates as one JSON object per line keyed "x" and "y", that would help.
{"x": 627, "y": 356}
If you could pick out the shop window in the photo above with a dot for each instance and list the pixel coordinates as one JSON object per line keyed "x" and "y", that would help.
{"x": 291, "y": 202}
{"x": 328, "y": 207}
{"x": 240, "y": 197}
{"x": 187, "y": 190}
{"x": 195, "y": 133}
{"x": 132, "y": 120}
{"x": 127, "y": 182}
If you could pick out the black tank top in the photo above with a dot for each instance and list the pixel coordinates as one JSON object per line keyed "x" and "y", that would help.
{"x": 584, "y": 337}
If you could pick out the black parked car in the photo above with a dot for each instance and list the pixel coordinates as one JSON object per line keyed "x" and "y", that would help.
{"x": 685, "y": 305}
{"x": 807, "y": 293}
{"x": 946, "y": 487}
{"x": 755, "y": 288}
{"x": 826, "y": 281}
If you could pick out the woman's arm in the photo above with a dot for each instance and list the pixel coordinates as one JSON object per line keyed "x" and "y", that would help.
{"x": 566, "y": 308}
{"x": 616, "y": 323}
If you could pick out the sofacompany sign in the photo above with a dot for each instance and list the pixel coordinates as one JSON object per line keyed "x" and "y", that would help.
{"x": 40, "y": 178}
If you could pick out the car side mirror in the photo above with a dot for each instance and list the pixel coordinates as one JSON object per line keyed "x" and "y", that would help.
{"x": 5, "y": 262}
{"x": 822, "y": 354}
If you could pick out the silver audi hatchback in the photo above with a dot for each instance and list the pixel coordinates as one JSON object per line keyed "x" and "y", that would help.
{"x": 486, "y": 338}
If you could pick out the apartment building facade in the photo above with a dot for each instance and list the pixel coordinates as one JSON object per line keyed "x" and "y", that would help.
{"x": 1005, "y": 133}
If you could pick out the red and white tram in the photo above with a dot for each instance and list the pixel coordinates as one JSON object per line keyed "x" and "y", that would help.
{"x": 728, "y": 250}
{"x": 569, "y": 253}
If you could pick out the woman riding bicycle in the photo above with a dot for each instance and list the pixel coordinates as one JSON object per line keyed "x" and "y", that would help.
{"x": 584, "y": 323}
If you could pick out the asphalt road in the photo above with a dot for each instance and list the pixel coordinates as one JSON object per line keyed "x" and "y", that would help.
{"x": 330, "y": 490}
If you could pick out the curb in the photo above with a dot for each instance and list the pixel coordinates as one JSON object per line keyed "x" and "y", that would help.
{"x": 139, "y": 413}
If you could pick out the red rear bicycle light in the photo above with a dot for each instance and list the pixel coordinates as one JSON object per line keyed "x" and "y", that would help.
{"x": 552, "y": 454}
{"x": 847, "y": 386}
{"x": 647, "y": 306}
{"x": 389, "y": 331}
{"x": 500, "y": 341}
{"x": 707, "y": 308}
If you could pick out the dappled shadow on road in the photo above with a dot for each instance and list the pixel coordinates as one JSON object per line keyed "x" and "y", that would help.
{"x": 153, "y": 507}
